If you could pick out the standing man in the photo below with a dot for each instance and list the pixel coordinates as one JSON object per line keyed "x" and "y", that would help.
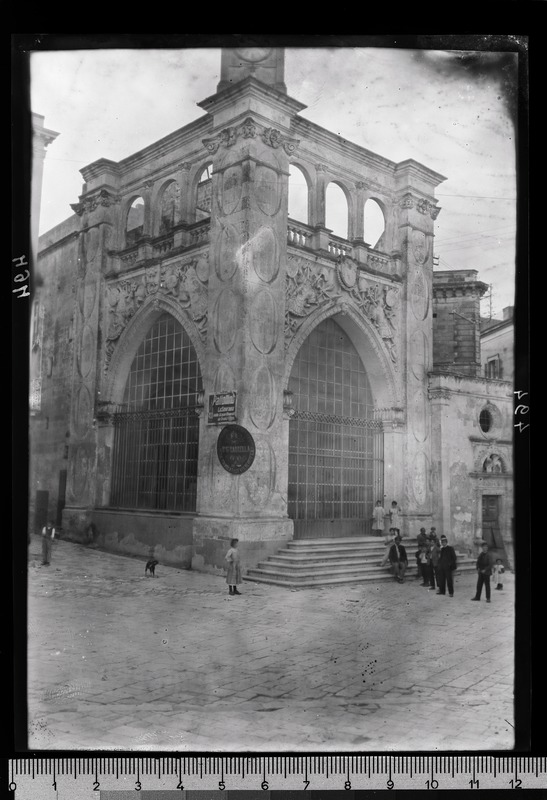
{"x": 398, "y": 559}
{"x": 48, "y": 535}
{"x": 445, "y": 568}
{"x": 484, "y": 569}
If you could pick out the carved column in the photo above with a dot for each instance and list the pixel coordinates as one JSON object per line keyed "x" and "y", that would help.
{"x": 98, "y": 211}
{"x": 245, "y": 347}
{"x": 440, "y": 465}
{"x": 416, "y": 230}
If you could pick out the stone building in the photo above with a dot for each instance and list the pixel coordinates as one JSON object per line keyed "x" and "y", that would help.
{"x": 216, "y": 369}
{"x": 497, "y": 346}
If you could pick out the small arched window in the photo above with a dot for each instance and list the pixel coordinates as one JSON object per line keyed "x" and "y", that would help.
{"x": 204, "y": 193}
{"x": 298, "y": 195}
{"x": 135, "y": 221}
{"x": 336, "y": 205}
{"x": 169, "y": 207}
{"x": 374, "y": 224}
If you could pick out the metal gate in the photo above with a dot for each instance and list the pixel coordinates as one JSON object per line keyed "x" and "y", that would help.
{"x": 156, "y": 459}
{"x": 336, "y": 468}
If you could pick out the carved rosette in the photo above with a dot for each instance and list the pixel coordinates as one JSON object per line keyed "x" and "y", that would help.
{"x": 310, "y": 287}
{"x": 249, "y": 129}
{"x": 186, "y": 282}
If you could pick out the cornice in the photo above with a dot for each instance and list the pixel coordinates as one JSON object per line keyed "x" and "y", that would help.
{"x": 251, "y": 87}
{"x": 445, "y": 290}
{"x": 170, "y": 143}
{"x": 324, "y": 137}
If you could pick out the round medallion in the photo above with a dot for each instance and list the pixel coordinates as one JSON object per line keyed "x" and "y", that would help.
{"x": 253, "y": 54}
{"x": 235, "y": 449}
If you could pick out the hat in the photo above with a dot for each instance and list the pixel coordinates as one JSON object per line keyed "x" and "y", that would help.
{"x": 444, "y": 537}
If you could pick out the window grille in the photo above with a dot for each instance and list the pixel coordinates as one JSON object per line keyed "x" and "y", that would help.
{"x": 157, "y": 429}
{"x": 335, "y": 445}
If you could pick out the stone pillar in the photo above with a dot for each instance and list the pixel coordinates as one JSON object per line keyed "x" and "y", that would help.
{"x": 98, "y": 210}
{"x": 319, "y": 199}
{"x": 186, "y": 199}
{"x": 245, "y": 346}
{"x": 440, "y": 467}
{"x": 416, "y": 229}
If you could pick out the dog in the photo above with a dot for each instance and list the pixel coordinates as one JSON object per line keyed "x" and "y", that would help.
{"x": 151, "y": 567}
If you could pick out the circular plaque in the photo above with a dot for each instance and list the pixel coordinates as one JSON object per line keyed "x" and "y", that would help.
{"x": 235, "y": 449}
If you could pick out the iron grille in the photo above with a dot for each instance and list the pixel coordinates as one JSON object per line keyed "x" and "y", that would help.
{"x": 156, "y": 457}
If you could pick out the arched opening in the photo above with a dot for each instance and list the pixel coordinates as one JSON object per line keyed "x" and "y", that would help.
{"x": 169, "y": 207}
{"x": 336, "y": 210}
{"x": 155, "y": 452}
{"x": 134, "y": 226}
{"x": 335, "y": 445}
{"x": 374, "y": 224}
{"x": 204, "y": 193}
{"x": 298, "y": 195}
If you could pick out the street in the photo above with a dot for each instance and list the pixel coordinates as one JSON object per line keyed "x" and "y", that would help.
{"x": 120, "y": 660}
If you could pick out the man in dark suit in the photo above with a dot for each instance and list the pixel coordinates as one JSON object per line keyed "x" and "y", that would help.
{"x": 398, "y": 559}
{"x": 445, "y": 568}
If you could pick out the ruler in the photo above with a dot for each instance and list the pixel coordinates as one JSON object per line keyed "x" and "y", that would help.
{"x": 44, "y": 778}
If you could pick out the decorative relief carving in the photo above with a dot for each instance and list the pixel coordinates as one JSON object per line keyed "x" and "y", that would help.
{"x": 91, "y": 202}
{"x": 419, "y": 295}
{"x": 420, "y": 243}
{"x": 407, "y": 201}
{"x": 228, "y": 250}
{"x": 426, "y": 207}
{"x": 263, "y": 254}
{"x": 420, "y": 473}
{"x": 184, "y": 281}
{"x": 267, "y": 190}
{"x": 310, "y": 286}
{"x": 225, "y": 322}
{"x": 230, "y": 186}
{"x": 263, "y": 398}
{"x": 263, "y": 326}
{"x": 249, "y": 129}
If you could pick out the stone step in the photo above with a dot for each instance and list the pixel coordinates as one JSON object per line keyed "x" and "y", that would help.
{"x": 283, "y": 579}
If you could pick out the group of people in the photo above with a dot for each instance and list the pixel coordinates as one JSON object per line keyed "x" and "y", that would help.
{"x": 436, "y": 561}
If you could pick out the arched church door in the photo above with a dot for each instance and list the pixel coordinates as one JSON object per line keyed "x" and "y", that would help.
{"x": 335, "y": 445}
{"x": 157, "y": 429}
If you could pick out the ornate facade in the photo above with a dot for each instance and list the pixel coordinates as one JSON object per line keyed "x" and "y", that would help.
{"x": 191, "y": 238}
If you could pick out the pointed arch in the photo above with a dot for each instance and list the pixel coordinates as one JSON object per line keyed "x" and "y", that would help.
{"x": 132, "y": 336}
{"x": 367, "y": 342}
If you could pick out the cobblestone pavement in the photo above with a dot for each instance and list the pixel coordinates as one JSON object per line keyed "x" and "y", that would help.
{"x": 120, "y": 660}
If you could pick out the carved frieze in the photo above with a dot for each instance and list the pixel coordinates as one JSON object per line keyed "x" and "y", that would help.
{"x": 91, "y": 202}
{"x": 422, "y": 205}
{"x": 186, "y": 282}
{"x": 249, "y": 129}
{"x": 310, "y": 286}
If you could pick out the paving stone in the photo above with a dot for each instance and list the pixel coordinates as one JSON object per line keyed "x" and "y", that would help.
{"x": 292, "y": 671}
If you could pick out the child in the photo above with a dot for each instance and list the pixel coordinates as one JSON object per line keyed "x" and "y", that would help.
{"x": 395, "y": 517}
{"x": 233, "y": 576}
{"x": 378, "y": 514}
{"x": 48, "y": 536}
{"x": 497, "y": 571}
{"x": 424, "y": 560}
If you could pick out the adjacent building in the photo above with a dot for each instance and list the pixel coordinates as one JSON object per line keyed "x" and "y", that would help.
{"x": 214, "y": 368}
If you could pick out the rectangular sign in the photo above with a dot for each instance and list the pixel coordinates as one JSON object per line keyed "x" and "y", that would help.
{"x": 222, "y": 407}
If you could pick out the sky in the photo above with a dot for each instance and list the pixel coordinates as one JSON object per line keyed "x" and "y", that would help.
{"x": 452, "y": 110}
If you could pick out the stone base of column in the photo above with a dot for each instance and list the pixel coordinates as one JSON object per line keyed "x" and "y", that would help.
{"x": 258, "y": 538}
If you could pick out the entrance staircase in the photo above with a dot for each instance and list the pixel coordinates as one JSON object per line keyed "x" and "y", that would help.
{"x": 317, "y": 562}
